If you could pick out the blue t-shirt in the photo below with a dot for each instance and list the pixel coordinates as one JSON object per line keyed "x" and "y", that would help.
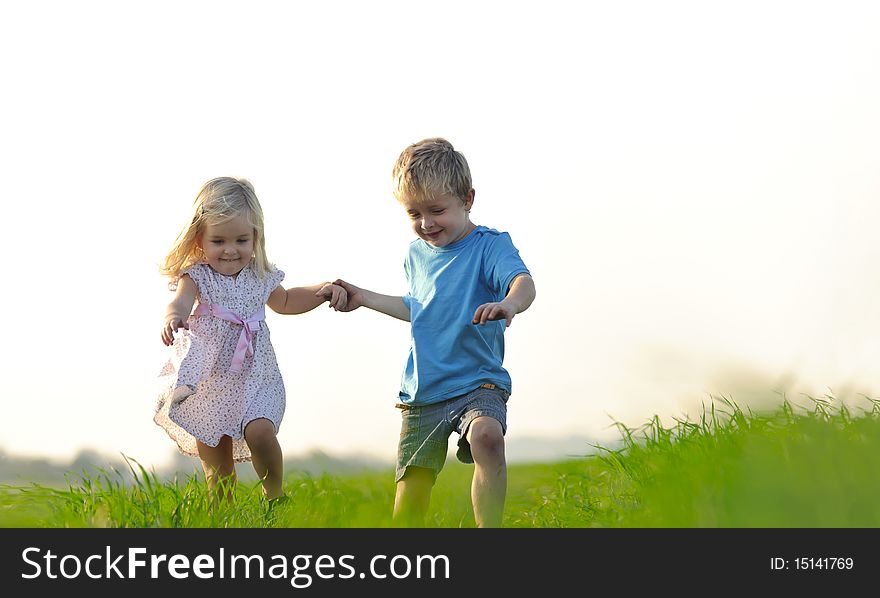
{"x": 449, "y": 355}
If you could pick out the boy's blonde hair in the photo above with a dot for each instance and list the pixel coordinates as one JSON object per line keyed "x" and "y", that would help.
{"x": 219, "y": 200}
{"x": 430, "y": 168}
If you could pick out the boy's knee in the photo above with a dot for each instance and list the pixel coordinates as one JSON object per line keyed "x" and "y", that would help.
{"x": 486, "y": 438}
{"x": 417, "y": 478}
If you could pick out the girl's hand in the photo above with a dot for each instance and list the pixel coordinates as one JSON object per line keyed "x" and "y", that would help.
{"x": 494, "y": 311}
{"x": 172, "y": 325}
{"x": 335, "y": 294}
{"x": 355, "y": 295}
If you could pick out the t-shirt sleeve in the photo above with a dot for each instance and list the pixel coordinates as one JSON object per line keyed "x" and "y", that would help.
{"x": 502, "y": 264}
{"x": 407, "y": 298}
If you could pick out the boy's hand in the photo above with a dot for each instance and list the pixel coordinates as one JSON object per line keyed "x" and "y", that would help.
{"x": 355, "y": 295}
{"x": 335, "y": 294}
{"x": 172, "y": 324}
{"x": 487, "y": 312}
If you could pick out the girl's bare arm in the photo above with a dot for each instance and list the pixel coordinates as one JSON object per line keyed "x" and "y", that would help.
{"x": 179, "y": 309}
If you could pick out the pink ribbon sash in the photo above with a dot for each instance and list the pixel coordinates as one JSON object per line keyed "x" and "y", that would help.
{"x": 245, "y": 344}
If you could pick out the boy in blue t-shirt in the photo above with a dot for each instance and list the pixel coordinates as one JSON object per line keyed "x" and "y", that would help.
{"x": 466, "y": 283}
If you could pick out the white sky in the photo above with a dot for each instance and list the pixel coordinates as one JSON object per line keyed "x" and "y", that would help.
{"x": 694, "y": 186}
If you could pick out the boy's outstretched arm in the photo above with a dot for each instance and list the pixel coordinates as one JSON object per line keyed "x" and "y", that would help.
{"x": 299, "y": 300}
{"x": 519, "y": 298}
{"x": 387, "y": 304}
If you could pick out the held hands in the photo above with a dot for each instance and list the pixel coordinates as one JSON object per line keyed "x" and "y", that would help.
{"x": 355, "y": 295}
{"x": 389, "y": 305}
{"x": 335, "y": 294}
{"x": 173, "y": 323}
{"x": 503, "y": 310}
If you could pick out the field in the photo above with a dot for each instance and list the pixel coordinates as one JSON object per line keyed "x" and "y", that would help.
{"x": 813, "y": 465}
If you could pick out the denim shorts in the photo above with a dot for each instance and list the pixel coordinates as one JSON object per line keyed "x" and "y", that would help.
{"x": 425, "y": 429}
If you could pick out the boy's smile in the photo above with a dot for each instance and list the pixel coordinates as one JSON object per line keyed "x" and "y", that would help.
{"x": 229, "y": 246}
{"x": 442, "y": 220}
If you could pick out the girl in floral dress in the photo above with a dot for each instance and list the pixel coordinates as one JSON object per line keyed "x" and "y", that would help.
{"x": 221, "y": 393}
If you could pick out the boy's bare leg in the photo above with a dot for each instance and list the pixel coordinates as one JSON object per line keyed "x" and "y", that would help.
{"x": 413, "y": 497}
{"x": 266, "y": 455}
{"x": 489, "y": 485}
{"x": 219, "y": 468}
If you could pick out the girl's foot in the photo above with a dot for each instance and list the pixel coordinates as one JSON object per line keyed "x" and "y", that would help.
{"x": 277, "y": 503}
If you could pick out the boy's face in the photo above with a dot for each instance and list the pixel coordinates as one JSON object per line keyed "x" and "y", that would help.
{"x": 440, "y": 221}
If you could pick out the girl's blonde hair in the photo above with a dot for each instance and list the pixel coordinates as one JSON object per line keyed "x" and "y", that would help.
{"x": 218, "y": 201}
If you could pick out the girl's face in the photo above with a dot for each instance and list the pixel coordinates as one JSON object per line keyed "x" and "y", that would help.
{"x": 229, "y": 246}
{"x": 441, "y": 221}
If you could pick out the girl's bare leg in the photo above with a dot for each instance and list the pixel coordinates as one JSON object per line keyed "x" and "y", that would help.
{"x": 219, "y": 468}
{"x": 266, "y": 455}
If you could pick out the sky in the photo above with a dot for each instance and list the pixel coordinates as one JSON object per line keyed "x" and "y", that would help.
{"x": 693, "y": 185}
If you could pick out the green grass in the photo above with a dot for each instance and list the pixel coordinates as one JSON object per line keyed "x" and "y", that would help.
{"x": 813, "y": 466}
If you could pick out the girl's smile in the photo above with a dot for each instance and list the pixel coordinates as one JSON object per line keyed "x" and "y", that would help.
{"x": 228, "y": 246}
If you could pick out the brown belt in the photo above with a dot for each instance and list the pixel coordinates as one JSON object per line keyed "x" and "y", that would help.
{"x": 405, "y": 407}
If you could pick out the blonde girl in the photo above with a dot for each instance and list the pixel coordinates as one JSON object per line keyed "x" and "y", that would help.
{"x": 221, "y": 394}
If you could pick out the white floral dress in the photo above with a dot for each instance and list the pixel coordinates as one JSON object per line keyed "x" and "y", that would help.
{"x": 200, "y": 397}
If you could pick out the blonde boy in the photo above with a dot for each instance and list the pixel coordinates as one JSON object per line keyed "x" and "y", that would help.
{"x": 466, "y": 283}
